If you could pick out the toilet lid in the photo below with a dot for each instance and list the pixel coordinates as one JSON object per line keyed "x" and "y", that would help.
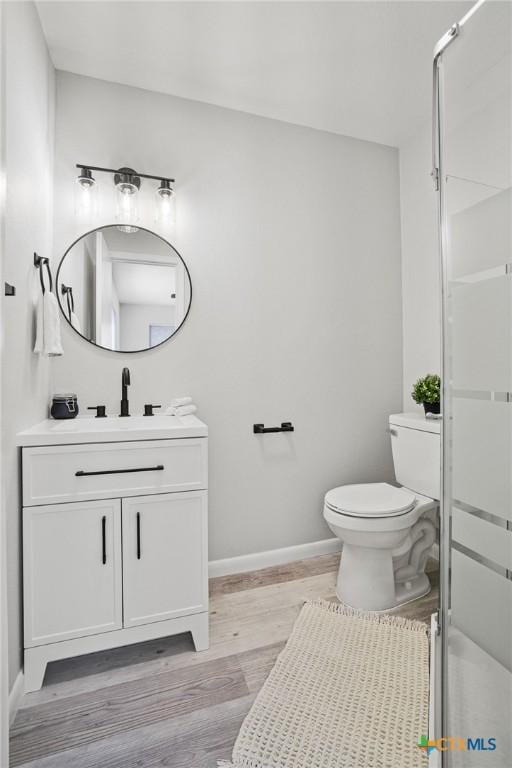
{"x": 370, "y": 500}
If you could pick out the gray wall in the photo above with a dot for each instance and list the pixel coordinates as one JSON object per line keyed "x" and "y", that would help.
{"x": 29, "y": 94}
{"x": 292, "y": 237}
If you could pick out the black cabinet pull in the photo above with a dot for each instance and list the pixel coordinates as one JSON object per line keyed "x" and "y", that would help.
{"x": 261, "y": 429}
{"x": 81, "y": 473}
{"x": 138, "y": 535}
{"x": 104, "y": 539}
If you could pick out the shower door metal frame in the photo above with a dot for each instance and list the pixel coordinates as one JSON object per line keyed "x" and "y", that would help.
{"x": 439, "y": 180}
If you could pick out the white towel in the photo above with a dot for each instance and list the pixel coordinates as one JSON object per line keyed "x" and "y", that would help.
{"x": 178, "y": 401}
{"x": 181, "y": 410}
{"x": 75, "y": 322}
{"x": 184, "y": 410}
{"x": 48, "y": 326}
{"x": 38, "y": 346}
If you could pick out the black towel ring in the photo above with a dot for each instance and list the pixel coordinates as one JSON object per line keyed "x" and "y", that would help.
{"x": 40, "y": 262}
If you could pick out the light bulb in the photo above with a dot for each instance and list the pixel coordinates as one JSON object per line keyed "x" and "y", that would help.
{"x": 165, "y": 209}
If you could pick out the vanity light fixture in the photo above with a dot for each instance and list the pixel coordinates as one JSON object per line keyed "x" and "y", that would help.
{"x": 127, "y": 183}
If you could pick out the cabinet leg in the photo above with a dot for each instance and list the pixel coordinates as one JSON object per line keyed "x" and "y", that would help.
{"x": 34, "y": 669}
{"x": 200, "y": 632}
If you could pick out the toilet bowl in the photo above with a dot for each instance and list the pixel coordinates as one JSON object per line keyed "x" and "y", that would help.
{"x": 374, "y": 542}
{"x": 388, "y": 531}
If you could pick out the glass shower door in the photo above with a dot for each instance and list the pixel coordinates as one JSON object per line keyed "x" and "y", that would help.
{"x": 473, "y": 105}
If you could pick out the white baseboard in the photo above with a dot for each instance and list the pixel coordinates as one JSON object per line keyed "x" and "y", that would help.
{"x": 16, "y": 695}
{"x": 258, "y": 560}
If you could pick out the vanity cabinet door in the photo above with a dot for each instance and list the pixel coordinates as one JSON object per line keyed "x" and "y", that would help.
{"x": 72, "y": 570}
{"x": 165, "y": 561}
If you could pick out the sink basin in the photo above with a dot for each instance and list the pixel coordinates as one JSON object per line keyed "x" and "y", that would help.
{"x": 87, "y": 429}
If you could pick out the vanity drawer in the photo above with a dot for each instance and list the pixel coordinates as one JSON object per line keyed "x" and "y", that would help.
{"x": 54, "y": 474}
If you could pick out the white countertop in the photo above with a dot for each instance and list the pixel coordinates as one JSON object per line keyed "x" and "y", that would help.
{"x": 112, "y": 429}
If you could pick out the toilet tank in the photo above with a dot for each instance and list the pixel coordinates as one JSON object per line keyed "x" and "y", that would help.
{"x": 416, "y": 445}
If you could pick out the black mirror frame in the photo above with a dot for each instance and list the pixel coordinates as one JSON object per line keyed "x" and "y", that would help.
{"x": 100, "y": 346}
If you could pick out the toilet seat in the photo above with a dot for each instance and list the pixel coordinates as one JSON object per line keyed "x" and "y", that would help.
{"x": 370, "y": 500}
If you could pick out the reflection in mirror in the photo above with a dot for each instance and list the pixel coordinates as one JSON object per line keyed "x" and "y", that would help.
{"x": 125, "y": 291}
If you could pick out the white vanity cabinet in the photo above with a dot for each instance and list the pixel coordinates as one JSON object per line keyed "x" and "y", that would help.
{"x": 114, "y": 545}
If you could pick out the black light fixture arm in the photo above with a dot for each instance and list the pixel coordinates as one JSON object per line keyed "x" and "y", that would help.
{"x": 117, "y": 170}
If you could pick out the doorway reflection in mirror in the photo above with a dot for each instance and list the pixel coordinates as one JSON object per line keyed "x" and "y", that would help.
{"x": 131, "y": 290}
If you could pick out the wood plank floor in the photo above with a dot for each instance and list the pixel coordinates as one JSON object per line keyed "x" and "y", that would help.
{"x": 161, "y": 704}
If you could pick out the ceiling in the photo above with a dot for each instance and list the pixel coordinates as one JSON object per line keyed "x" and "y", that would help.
{"x": 140, "y": 243}
{"x": 360, "y": 69}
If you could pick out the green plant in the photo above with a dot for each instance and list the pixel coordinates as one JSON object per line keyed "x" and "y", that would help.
{"x": 427, "y": 389}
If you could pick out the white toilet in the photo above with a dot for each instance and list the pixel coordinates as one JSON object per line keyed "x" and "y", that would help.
{"x": 387, "y": 531}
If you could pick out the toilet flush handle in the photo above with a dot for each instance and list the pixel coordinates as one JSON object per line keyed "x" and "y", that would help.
{"x": 392, "y": 431}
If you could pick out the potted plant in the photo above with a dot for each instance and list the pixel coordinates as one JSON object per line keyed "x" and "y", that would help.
{"x": 427, "y": 392}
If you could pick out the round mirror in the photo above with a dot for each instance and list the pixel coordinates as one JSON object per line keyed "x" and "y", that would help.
{"x": 124, "y": 291}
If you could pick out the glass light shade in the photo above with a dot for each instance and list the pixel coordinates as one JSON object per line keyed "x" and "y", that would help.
{"x": 165, "y": 212}
{"x": 126, "y": 194}
{"x": 86, "y": 193}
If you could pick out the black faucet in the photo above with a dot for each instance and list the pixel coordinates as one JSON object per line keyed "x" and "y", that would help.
{"x": 125, "y": 382}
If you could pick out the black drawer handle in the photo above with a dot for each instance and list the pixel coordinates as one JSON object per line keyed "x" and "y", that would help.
{"x": 261, "y": 429}
{"x": 138, "y": 535}
{"x": 104, "y": 539}
{"x": 81, "y": 473}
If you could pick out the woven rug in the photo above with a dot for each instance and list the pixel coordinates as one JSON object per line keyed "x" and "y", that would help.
{"x": 349, "y": 690}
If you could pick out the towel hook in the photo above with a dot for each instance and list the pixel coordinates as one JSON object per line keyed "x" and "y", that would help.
{"x": 40, "y": 262}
